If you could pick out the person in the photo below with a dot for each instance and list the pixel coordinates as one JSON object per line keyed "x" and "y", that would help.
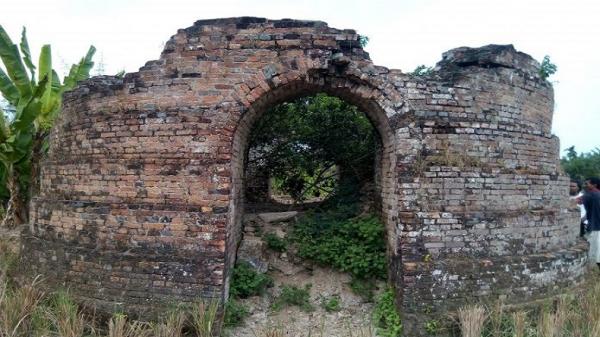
{"x": 591, "y": 201}
{"x": 574, "y": 193}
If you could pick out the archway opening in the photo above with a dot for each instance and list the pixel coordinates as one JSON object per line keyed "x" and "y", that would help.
{"x": 315, "y": 145}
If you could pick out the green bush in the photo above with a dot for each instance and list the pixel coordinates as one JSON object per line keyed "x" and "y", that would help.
{"x": 292, "y": 295}
{"x": 331, "y": 304}
{"x": 275, "y": 243}
{"x": 386, "y": 317}
{"x": 365, "y": 288}
{"x": 246, "y": 282}
{"x": 235, "y": 312}
{"x": 354, "y": 245}
{"x": 547, "y": 68}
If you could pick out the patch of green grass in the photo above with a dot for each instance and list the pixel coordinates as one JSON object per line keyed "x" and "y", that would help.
{"x": 386, "y": 317}
{"x": 365, "y": 288}
{"x": 235, "y": 313}
{"x": 246, "y": 282}
{"x": 275, "y": 243}
{"x": 293, "y": 296}
{"x": 331, "y": 304}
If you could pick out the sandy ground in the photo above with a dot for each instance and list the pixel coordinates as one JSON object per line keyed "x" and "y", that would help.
{"x": 353, "y": 318}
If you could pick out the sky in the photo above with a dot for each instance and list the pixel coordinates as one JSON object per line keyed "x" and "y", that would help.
{"x": 402, "y": 35}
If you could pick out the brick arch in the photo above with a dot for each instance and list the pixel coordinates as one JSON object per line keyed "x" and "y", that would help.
{"x": 369, "y": 100}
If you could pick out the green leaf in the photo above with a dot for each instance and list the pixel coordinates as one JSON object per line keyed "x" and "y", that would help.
{"x": 45, "y": 62}
{"x": 9, "y": 53}
{"x": 46, "y": 72}
{"x": 27, "y": 54}
{"x": 80, "y": 71}
{"x": 29, "y": 114}
{"x": 8, "y": 89}
{"x": 4, "y": 130}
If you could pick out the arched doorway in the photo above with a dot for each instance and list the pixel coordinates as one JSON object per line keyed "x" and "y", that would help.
{"x": 365, "y": 99}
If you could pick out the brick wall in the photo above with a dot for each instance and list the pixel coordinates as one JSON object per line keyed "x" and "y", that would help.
{"x": 141, "y": 195}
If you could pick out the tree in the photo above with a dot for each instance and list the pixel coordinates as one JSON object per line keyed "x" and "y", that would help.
{"x": 303, "y": 144}
{"x": 547, "y": 68}
{"x": 37, "y": 103}
{"x": 583, "y": 165}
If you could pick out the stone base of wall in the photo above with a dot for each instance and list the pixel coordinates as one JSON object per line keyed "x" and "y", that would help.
{"x": 443, "y": 286}
{"x": 139, "y": 283}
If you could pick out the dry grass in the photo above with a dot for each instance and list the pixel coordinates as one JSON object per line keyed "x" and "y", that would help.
{"x": 270, "y": 331}
{"x": 206, "y": 319}
{"x": 119, "y": 326}
{"x": 27, "y": 311}
{"x": 172, "y": 325}
{"x": 17, "y": 305}
{"x": 471, "y": 319}
{"x": 519, "y": 323}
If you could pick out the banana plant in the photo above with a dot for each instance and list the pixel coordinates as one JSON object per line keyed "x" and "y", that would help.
{"x": 37, "y": 101}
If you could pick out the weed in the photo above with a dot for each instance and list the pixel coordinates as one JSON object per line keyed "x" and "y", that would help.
{"x": 547, "y": 68}
{"x": 246, "y": 282}
{"x": 16, "y": 307}
{"x": 365, "y": 288}
{"x": 331, "y": 304}
{"x": 68, "y": 320}
{"x": 270, "y": 331}
{"x": 119, "y": 326}
{"x": 354, "y": 245}
{"x": 386, "y": 317}
{"x": 432, "y": 326}
{"x": 275, "y": 243}
{"x": 519, "y": 323}
{"x": 205, "y": 318}
{"x": 171, "y": 325}
{"x": 472, "y": 320}
{"x": 292, "y": 295}
{"x": 235, "y": 312}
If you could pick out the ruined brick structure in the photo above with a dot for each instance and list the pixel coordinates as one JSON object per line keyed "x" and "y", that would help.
{"x": 141, "y": 195}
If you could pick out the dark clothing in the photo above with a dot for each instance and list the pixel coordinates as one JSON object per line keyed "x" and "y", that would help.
{"x": 591, "y": 202}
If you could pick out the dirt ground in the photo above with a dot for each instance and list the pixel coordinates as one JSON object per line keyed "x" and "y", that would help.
{"x": 353, "y": 318}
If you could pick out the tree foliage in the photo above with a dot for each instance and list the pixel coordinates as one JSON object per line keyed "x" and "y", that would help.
{"x": 422, "y": 71}
{"x": 37, "y": 101}
{"x": 304, "y": 142}
{"x": 547, "y": 68}
{"x": 580, "y": 166}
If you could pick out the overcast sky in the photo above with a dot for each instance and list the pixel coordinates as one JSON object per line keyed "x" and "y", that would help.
{"x": 403, "y": 34}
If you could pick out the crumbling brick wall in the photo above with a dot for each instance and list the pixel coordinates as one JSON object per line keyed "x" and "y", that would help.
{"x": 141, "y": 195}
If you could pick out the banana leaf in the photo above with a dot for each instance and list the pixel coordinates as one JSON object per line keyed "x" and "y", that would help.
{"x": 9, "y": 53}
{"x": 80, "y": 71}
{"x": 27, "y": 113}
{"x": 8, "y": 89}
{"x": 27, "y": 54}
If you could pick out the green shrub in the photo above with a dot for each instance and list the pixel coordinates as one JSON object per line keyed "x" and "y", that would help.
{"x": 246, "y": 282}
{"x": 432, "y": 326}
{"x": 547, "y": 68}
{"x": 364, "y": 288}
{"x": 354, "y": 245}
{"x": 386, "y": 317}
{"x": 275, "y": 243}
{"x": 331, "y": 304}
{"x": 292, "y": 295}
{"x": 235, "y": 313}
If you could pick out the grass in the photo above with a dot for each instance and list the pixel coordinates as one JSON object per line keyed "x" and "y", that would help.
{"x": 28, "y": 311}
{"x": 293, "y": 296}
